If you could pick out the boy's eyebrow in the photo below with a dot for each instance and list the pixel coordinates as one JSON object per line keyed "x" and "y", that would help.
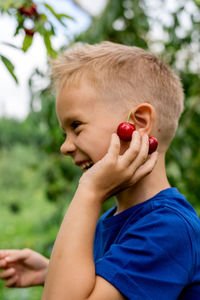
{"x": 68, "y": 120}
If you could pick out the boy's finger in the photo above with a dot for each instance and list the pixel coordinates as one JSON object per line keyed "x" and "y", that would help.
{"x": 7, "y": 273}
{"x": 6, "y": 252}
{"x": 143, "y": 153}
{"x": 3, "y": 253}
{"x": 114, "y": 148}
{"x": 3, "y": 263}
{"x": 146, "y": 168}
{"x": 134, "y": 148}
{"x": 17, "y": 255}
{"x": 11, "y": 281}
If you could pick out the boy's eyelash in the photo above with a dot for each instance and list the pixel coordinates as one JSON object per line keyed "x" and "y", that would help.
{"x": 75, "y": 124}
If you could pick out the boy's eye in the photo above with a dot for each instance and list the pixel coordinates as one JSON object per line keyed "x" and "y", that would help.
{"x": 75, "y": 124}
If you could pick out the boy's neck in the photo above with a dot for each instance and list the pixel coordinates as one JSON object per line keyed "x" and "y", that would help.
{"x": 146, "y": 188}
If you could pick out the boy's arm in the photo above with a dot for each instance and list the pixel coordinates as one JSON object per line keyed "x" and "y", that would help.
{"x": 71, "y": 273}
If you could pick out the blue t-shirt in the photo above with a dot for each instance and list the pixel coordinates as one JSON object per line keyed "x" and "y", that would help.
{"x": 151, "y": 251}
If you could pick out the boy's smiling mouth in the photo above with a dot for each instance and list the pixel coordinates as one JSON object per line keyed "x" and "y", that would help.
{"x": 85, "y": 165}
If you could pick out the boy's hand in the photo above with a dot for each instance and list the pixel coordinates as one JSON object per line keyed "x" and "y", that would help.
{"x": 23, "y": 268}
{"x": 115, "y": 172}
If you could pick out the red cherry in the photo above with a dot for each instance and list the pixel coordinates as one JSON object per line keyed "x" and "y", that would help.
{"x": 125, "y": 130}
{"x": 153, "y": 144}
{"x": 28, "y": 11}
{"x": 29, "y": 32}
{"x": 33, "y": 9}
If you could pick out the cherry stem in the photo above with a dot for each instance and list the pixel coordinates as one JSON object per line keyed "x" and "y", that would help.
{"x": 129, "y": 116}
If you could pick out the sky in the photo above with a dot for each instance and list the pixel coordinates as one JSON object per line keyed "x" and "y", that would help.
{"x": 14, "y": 99}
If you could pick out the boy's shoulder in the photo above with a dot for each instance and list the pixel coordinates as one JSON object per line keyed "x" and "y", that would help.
{"x": 167, "y": 213}
{"x": 169, "y": 200}
{"x": 146, "y": 242}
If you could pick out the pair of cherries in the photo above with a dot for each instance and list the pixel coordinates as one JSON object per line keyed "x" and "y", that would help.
{"x": 125, "y": 130}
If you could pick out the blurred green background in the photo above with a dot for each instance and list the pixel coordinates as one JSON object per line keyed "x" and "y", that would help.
{"x": 37, "y": 183}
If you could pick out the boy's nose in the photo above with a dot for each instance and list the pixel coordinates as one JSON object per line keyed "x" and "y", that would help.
{"x": 68, "y": 147}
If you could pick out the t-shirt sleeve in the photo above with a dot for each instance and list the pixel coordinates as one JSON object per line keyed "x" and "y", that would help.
{"x": 152, "y": 259}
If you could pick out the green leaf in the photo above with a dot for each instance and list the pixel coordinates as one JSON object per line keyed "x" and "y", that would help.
{"x": 65, "y": 16}
{"x": 17, "y": 30}
{"x": 58, "y": 16}
{"x": 6, "y": 5}
{"x": 48, "y": 45}
{"x": 10, "y": 45}
{"x": 50, "y": 9}
{"x": 197, "y": 2}
{"x": 27, "y": 42}
{"x": 59, "y": 20}
{"x": 10, "y": 67}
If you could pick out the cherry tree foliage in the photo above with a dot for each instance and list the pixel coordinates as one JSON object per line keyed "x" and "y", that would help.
{"x": 31, "y": 18}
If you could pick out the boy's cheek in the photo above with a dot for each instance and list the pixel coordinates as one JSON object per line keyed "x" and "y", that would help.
{"x": 102, "y": 149}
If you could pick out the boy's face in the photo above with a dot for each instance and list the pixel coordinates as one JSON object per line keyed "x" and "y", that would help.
{"x": 87, "y": 122}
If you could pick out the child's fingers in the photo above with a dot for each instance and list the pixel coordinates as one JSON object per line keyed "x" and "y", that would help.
{"x": 7, "y": 273}
{"x": 146, "y": 168}
{"x": 8, "y": 252}
{"x": 3, "y": 263}
{"x": 143, "y": 153}
{"x": 131, "y": 153}
{"x": 114, "y": 148}
{"x": 3, "y": 253}
{"x": 16, "y": 255}
{"x": 11, "y": 281}
{"x": 135, "y": 148}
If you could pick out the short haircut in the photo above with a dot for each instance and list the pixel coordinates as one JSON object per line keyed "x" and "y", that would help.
{"x": 127, "y": 75}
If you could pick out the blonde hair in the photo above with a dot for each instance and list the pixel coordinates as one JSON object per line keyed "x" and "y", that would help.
{"x": 129, "y": 75}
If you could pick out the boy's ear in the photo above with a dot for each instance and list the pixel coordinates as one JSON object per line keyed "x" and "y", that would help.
{"x": 143, "y": 117}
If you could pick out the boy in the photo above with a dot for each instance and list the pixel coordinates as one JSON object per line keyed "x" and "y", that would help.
{"x": 147, "y": 247}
